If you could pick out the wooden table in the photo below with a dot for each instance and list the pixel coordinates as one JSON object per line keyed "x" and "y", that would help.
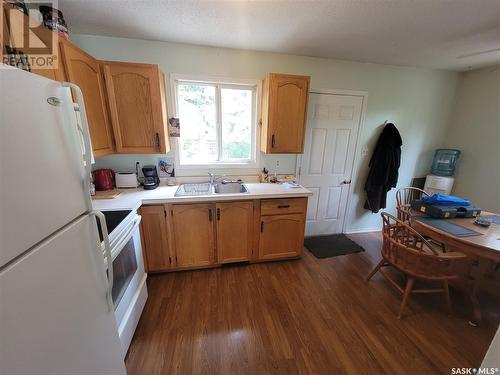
{"x": 484, "y": 249}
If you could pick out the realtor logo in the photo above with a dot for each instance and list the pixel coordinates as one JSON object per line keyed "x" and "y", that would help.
{"x": 27, "y": 42}
{"x": 474, "y": 371}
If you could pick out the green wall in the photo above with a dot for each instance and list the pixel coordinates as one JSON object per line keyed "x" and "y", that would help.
{"x": 418, "y": 101}
{"x": 475, "y": 130}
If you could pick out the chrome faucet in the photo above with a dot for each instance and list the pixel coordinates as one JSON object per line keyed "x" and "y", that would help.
{"x": 212, "y": 178}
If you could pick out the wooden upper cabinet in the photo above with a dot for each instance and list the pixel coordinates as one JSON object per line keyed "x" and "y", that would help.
{"x": 281, "y": 236}
{"x": 15, "y": 35}
{"x": 137, "y": 102}
{"x": 194, "y": 237}
{"x": 58, "y": 73}
{"x": 234, "y": 231}
{"x": 284, "y": 113}
{"x": 155, "y": 238}
{"x": 83, "y": 70}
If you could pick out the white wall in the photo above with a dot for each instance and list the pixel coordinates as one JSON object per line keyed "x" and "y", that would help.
{"x": 492, "y": 357}
{"x": 418, "y": 101}
{"x": 475, "y": 130}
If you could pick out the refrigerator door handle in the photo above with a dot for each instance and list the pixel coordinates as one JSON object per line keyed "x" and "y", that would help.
{"x": 87, "y": 157}
{"x": 109, "y": 260}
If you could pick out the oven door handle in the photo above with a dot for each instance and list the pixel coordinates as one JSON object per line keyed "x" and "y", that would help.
{"x": 109, "y": 261}
{"x": 130, "y": 232}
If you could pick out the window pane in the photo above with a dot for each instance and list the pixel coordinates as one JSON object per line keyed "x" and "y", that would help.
{"x": 197, "y": 117}
{"x": 236, "y": 124}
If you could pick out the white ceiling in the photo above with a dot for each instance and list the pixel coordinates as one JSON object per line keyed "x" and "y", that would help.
{"x": 425, "y": 33}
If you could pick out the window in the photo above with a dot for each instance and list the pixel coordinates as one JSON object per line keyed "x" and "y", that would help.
{"x": 217, "y": 121}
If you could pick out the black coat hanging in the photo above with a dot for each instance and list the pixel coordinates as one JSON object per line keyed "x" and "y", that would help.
{"x": 384, "y": 166}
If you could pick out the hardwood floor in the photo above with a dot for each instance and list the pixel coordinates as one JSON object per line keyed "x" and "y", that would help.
{"x": 308, "y": 316}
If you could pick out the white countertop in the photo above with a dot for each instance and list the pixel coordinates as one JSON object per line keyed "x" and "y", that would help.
{"x": 132, "y": 199}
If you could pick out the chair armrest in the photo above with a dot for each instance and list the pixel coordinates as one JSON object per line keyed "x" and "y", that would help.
{"x": 452, "y": 255}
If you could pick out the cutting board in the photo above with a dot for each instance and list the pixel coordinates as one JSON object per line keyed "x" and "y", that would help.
{"x": 108, "y": 194}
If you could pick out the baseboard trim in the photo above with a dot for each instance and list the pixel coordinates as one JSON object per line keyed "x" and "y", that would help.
{"x": 363, "y": 230}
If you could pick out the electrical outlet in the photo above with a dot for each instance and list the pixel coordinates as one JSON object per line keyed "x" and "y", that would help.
{"x": 277, "y": 163}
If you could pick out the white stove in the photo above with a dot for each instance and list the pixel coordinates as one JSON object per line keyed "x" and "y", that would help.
{"x": 129, "y": 290}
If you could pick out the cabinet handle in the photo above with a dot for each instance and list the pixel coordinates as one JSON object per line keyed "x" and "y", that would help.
{"x": 209, "y": 214}
{"x": 170, "y": 260}
{"x": 273, "y": 141}
{"x": 157, "y": 140}
{"x": 262, "y": 226}
{"x": 284, "y": 206}
{"x": 218, "y": 214}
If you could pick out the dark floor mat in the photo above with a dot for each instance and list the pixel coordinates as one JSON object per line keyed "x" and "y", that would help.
{"x": 331, "y": 245}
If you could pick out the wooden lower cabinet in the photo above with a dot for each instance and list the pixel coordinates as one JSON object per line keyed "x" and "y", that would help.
{"x": 234, "y": 231}
{"x": 281, "y": 236}
{"x": 155, "y": 238}
{"x": 193, "y": 231}
{"x": 195, "y": 235}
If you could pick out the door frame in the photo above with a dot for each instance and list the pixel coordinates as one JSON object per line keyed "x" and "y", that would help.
{"x": 357, "y": 147}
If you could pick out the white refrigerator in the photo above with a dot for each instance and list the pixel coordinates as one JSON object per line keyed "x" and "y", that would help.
{"x": 56, "y": 313}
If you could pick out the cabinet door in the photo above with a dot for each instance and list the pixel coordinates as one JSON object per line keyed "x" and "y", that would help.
{"x": 137, "y": 106}
{"x": 193, "y": 227}
{"x": 286, "y": 113}
{"x": 281, "y": 236}
{"x": 83, "y": 70}
{"x": 234, "y": 231}
{"x": 57, "y": 74}
{"x": 14, "y": 35}
{"x": 155, "y": 238}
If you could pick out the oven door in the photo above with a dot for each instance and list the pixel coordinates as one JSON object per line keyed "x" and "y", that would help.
{"x": 129, "y": 281}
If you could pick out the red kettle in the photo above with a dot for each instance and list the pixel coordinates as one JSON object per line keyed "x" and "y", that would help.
{"x": 104, "y": 179}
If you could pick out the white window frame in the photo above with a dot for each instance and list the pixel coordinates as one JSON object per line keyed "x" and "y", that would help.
{"x": 220, "y": 82}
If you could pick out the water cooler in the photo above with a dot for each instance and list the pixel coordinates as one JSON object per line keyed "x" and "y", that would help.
{"x": 441, "y": 179}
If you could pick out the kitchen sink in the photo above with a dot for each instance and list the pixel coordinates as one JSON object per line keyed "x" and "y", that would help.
{"x": 209, "y": 189}
{"x": 230, "y": 188}
{"x": 194, "y": 189}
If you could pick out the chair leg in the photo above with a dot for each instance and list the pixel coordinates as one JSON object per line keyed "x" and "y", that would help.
{"x": 408, "y": 288}
{"x": 447, "y": 296}
{"x": 375, "y": 270}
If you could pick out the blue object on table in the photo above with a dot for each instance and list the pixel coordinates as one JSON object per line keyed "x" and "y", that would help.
{"x": 445, "y": 200}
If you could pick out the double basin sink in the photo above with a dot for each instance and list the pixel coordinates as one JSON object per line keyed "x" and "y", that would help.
{"x": 211, "y": 189}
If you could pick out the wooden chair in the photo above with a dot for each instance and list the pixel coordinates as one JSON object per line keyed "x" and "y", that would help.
{"x": 404, "y": 197}
{"x": 407, "y": 251}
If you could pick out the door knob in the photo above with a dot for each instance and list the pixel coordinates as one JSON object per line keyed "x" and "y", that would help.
{"x": 345, "y": 182}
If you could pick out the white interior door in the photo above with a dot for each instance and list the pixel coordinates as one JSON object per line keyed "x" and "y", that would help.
{"x": 326, "y": 166}
{"x": 54, "y": 316}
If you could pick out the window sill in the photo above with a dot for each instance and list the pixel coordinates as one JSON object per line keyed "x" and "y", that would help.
{"x": 215, "y": 166}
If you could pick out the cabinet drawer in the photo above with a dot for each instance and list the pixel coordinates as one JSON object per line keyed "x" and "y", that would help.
{"x": 283, "y": 206}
